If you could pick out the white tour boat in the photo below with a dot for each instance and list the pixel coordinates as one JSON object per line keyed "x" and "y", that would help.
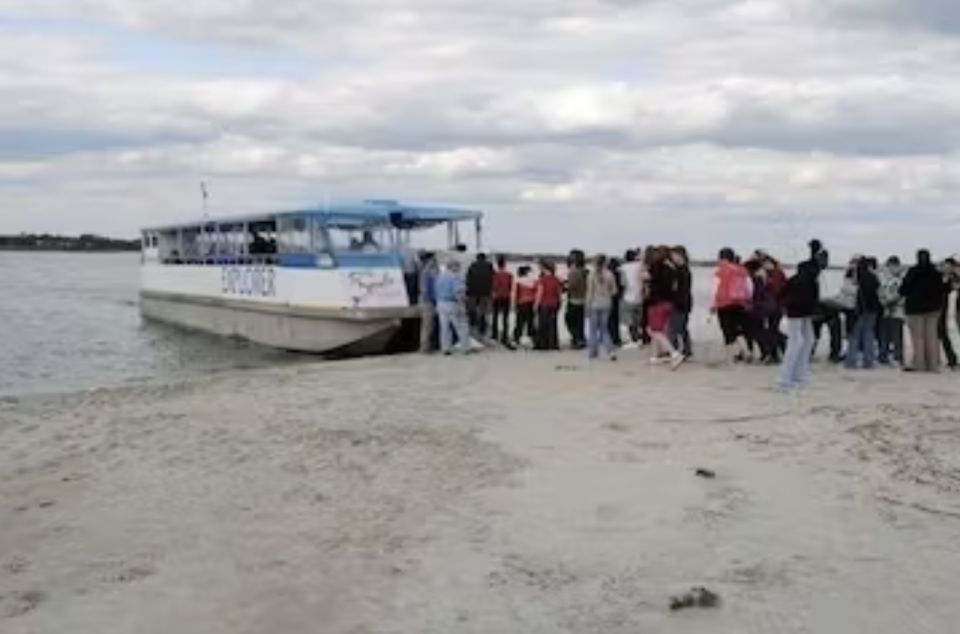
{"x": 339, "y": 279}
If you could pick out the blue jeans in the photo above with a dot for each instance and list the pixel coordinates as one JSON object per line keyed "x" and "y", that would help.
{"x": 863, "y": 341}
{"x": 680, "y": 332}
{"x": 599, "y": 333}
{"x": 453, "y": 315}
{"x": 795, "y": 370}
{"x": 891, "y": 337}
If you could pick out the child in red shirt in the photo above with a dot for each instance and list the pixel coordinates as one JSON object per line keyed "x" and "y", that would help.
{"x": 502, "y": 293}
{"x": 525, "y": 296}
{"x": 547, "y": 304}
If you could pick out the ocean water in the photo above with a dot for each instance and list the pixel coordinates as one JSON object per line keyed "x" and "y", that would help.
{"x": 71, "y": 322}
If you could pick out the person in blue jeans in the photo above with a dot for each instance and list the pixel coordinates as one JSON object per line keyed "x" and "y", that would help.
{"x": 863, "y": 337}
{"x": 601, "y": 291}
{"x": 450, "y": 293}
{"x": 801, "y": 296}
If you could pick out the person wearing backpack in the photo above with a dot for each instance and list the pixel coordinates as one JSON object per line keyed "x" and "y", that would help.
{"x": 732, "y": 295}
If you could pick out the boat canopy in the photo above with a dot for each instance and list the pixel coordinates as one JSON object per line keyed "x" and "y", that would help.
{"x": 351, "y": 216}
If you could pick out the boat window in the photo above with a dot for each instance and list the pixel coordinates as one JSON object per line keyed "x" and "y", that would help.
{"x": 294, "y": 235}
{"x": 374, "y": 240}
{"x": 191, "y": 245}
{"x": 169, "y": 247}
{"x": 233, "y": 241}
{"x": 263, "y": 238}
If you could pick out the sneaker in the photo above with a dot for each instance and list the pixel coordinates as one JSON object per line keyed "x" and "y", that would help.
{"x": 613, "y": 356}
{"x": 676, "y": 361}
{"x": 659, "y": 360}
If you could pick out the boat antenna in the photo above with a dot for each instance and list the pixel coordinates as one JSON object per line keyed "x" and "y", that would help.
{"x": 205, "y": 194}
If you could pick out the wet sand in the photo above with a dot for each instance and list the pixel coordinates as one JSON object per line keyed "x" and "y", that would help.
{"x": 497, "y": 493}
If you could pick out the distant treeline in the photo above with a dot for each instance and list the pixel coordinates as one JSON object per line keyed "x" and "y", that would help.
{"x": 48, "y": 242}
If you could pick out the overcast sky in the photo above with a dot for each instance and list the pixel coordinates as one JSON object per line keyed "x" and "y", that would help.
{"x": 592, "y": 123}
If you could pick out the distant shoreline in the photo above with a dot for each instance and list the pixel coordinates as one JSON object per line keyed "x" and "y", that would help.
{"x": 85, "y": 243}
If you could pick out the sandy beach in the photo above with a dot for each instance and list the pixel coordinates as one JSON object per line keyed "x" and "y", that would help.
{"x": 497, "y": 493}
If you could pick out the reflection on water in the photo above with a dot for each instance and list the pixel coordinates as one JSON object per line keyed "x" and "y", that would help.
{"x": 71, "y": 321}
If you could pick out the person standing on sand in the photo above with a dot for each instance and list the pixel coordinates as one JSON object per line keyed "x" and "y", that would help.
{"x": 427, "y": 300}
{"x": 800, "y": 298}
{"x": 547, "y": 305}
{"x": 502, "y": 292}
{"x": 601, "y": 289}
{"x": 682, "y": 302}
{"x": 732, "y": 293}
{"x": 479, "y": 289}
{"x": 950, "y": 282}
{"x": 660, "y": 298}
{"x": 576, "y": 298}
{"x": 758, "y": 313}
{"x": 451, "y": 308}
{"x": 524, "y": 299}
{"x": 863, "y": 336}
{"x": 891, "y": 324}
{"x": 776, "y": 281}
{"x": 613, "y": 321}
{"x": 922, "y": 290}
{"x": 644, "y": 311}
{"x": 632, "y": 274}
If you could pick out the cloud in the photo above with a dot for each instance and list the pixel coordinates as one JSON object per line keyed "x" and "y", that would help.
{"x": 703, "y": 121}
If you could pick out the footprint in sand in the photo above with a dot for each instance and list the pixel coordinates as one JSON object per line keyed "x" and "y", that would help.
{"x": 20, "y": 603}
{"x": 15, "y": 565}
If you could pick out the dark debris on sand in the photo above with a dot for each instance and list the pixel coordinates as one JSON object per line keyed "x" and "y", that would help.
{"x": 698, "y": 597}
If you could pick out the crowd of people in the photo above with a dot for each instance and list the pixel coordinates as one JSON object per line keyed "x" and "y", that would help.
{"x": 648, "y": 294}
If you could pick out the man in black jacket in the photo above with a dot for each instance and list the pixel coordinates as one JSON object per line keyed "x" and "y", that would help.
{"x": 922, "y": 290}
{"x": 479, "y": 293}
{"x": 800, "y": 298}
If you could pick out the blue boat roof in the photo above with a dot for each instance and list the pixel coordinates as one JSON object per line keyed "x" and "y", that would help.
{"x": 359, "y": 215}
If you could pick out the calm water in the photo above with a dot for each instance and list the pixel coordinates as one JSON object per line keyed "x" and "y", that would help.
{"x": 71, "y": 321}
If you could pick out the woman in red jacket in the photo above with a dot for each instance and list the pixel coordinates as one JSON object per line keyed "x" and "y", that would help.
{"x": 732, "y": 295}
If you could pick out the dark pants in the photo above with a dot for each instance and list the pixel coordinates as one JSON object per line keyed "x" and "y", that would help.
{"x": 547, "y": 329}
{"x": 613, "y": 324}
{"x": 644, "y": 333}
{"x": 524, "y": 323}
{"x": 944, "y": 335}
{"x": 680, "y": 332}
{"x": 501, "y": 319}
{"x": 891, "y": 340}
{"x": 758, "y": 334}
{"x": 829, "y": 317}
{"x": 478, "y": 309}
{"x": 776, "y": 335}
{"x": 574, "y": 319}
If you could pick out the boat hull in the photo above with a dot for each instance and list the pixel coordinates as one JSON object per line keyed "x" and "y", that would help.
{"x": 348, "y": 332}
